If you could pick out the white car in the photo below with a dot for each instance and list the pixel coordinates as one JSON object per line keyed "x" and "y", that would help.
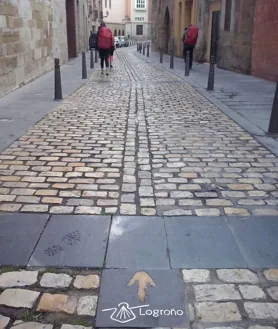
{"x": 122, "y": 41}
{"x": 116, "y": 42}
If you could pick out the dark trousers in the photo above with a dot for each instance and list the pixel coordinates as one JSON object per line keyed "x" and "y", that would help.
{"x": 190, "y": 49}
{"x": 104, "y": 56}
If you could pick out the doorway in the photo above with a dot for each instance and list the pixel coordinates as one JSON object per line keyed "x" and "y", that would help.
{"x": 71, "y": 28}
{"x": 215, "y": 27}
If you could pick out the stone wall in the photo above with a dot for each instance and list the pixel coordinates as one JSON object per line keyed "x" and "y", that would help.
{"x": 235, "y": 46}
{"x": 265, "y": 40}
{"x": 32, "y": 33}
{"x": 161, "y": 32}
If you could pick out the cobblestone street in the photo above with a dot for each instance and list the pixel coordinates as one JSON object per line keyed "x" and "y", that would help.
{"x": 139, "y": 142}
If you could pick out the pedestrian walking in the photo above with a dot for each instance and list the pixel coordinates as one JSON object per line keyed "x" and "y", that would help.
{"x": 104, "y": 42}
{"x": 111, "y": 55}
{"x": 189, "y": 39}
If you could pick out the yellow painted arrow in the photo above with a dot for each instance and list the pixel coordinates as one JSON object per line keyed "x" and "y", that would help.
{"x": 143, "y": 279}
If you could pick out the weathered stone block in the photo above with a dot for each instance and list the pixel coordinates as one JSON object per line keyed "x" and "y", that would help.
{"x": 52, "y": 280}
{"x": 19, "y": 298}
{"x": 57, "y": 303}
{"x": 18, "y": 279}
{"x": 261, "y": 310}
{"x": 217, "y": 312}
{"x": 237, "y": 276}
{"x": 216, "y": 292}
{"x": 87, "y": 305}
{"x": 86, "y": 282}
{"x": 197, "y": 275}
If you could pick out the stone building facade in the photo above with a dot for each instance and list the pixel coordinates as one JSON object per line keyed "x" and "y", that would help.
{"x": 241, "y": 35}
{"x": 265, "y": 40}
{"x": 34, "y": 32}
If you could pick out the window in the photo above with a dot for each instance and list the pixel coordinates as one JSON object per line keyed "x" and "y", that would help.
{"x": 139, "y": 19}
{"x": 140, "y": 4}
{"x": 139, "y": 29}
{"x": 109, "y": 4}
{"x": 105, "y": 3}
{"x": 228, "y": 9}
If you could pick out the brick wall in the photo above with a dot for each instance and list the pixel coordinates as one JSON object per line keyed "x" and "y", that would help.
{"x": 265, "y": 40}
{"x": 32, "y": 33}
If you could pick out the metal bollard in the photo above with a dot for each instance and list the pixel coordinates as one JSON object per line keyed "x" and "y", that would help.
{"x": 211, "y": 75}
{"x": 187, "y": 64}
{"x": 273, "y": 123}
{"x": 144, "y": 48}
{"x": 96, "y": 56}
{"x": 172, "y": 54}
{"x": 57, "y": 80}
{"x": 148, "y": 50}
{"x": 92, "y": 58}
{"x": 161, "y": 56}
{"x": 140, "y": 48}
{"x": 137, "y": 47}
{"x": 84, "y": 68}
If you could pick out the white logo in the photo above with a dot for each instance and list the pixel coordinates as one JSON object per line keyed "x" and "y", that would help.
{"x": 124, "y": 313}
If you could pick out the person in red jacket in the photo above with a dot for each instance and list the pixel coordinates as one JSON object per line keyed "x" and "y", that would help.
{"x": 104, "y": 43}
{"x": 189, "y": 39}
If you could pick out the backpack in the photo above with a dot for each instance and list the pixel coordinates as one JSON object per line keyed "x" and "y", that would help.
{"x": 104, "y": 38}
{"x": 191, "y": 36}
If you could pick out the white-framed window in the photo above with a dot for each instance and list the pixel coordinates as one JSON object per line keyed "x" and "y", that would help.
{"x": 139, "y": 19}
{"x": 140, "y": 4}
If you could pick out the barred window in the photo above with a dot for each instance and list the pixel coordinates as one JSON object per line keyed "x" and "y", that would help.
{"x": 140, "y": 4}
{"x": 139, "y": 19}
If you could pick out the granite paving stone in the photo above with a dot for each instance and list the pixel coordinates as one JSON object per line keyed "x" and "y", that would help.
{"x": 65, "y": 238}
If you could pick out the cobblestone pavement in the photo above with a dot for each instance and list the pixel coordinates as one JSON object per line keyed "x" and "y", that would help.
{"x": 67, "y": 299}
{"x": 143, "y": 142}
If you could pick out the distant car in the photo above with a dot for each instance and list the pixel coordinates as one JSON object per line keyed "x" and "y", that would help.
{"x": 116, "y": 42}
{"x": 93, "y": 40}
{"x": 122, "y": 41}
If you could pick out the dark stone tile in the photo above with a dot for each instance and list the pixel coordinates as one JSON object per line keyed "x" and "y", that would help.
{"x": 137, "y": 242}
{"x": 19, "y": 234}
{"x": 257, "y": 238}
{"x": 202, "y": 242}
{"x": 120, "y": 291}
{"x": 75, "y": 241}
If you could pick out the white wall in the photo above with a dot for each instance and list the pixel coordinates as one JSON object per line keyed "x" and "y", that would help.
{"x": 116, "y": 12}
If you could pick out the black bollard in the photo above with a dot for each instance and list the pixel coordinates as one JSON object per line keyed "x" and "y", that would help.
{"x": 273, "y": 124}
{"x": 161, "y": 56}
{"x": 57, "y": 80}
{"x": 172, "y": 54}
{"x": 92, "y": 58}
{"x": 148, "y": 50}
{"x": 187, "y": 64}
{"x": 84, "y": 68}
{"x": 211, "y": 75}
{"x": 96, "y": 56}
{"x": 140, "y": 48}
{"x": 144, "y": 47}
{"x": 137, "y": 47}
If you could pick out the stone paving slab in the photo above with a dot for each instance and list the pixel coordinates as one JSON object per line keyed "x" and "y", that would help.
{"x": 202, "y": 242}
{"x": 75, "y": 241}
{"x": 137, "y": 242}
{"x": 257, "y": 239}
{"x": 141, "y": 299}
{"x": 19, "y": 234}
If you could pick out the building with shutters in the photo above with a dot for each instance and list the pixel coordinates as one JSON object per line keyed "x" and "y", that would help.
{"x": 138, "y": 24}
